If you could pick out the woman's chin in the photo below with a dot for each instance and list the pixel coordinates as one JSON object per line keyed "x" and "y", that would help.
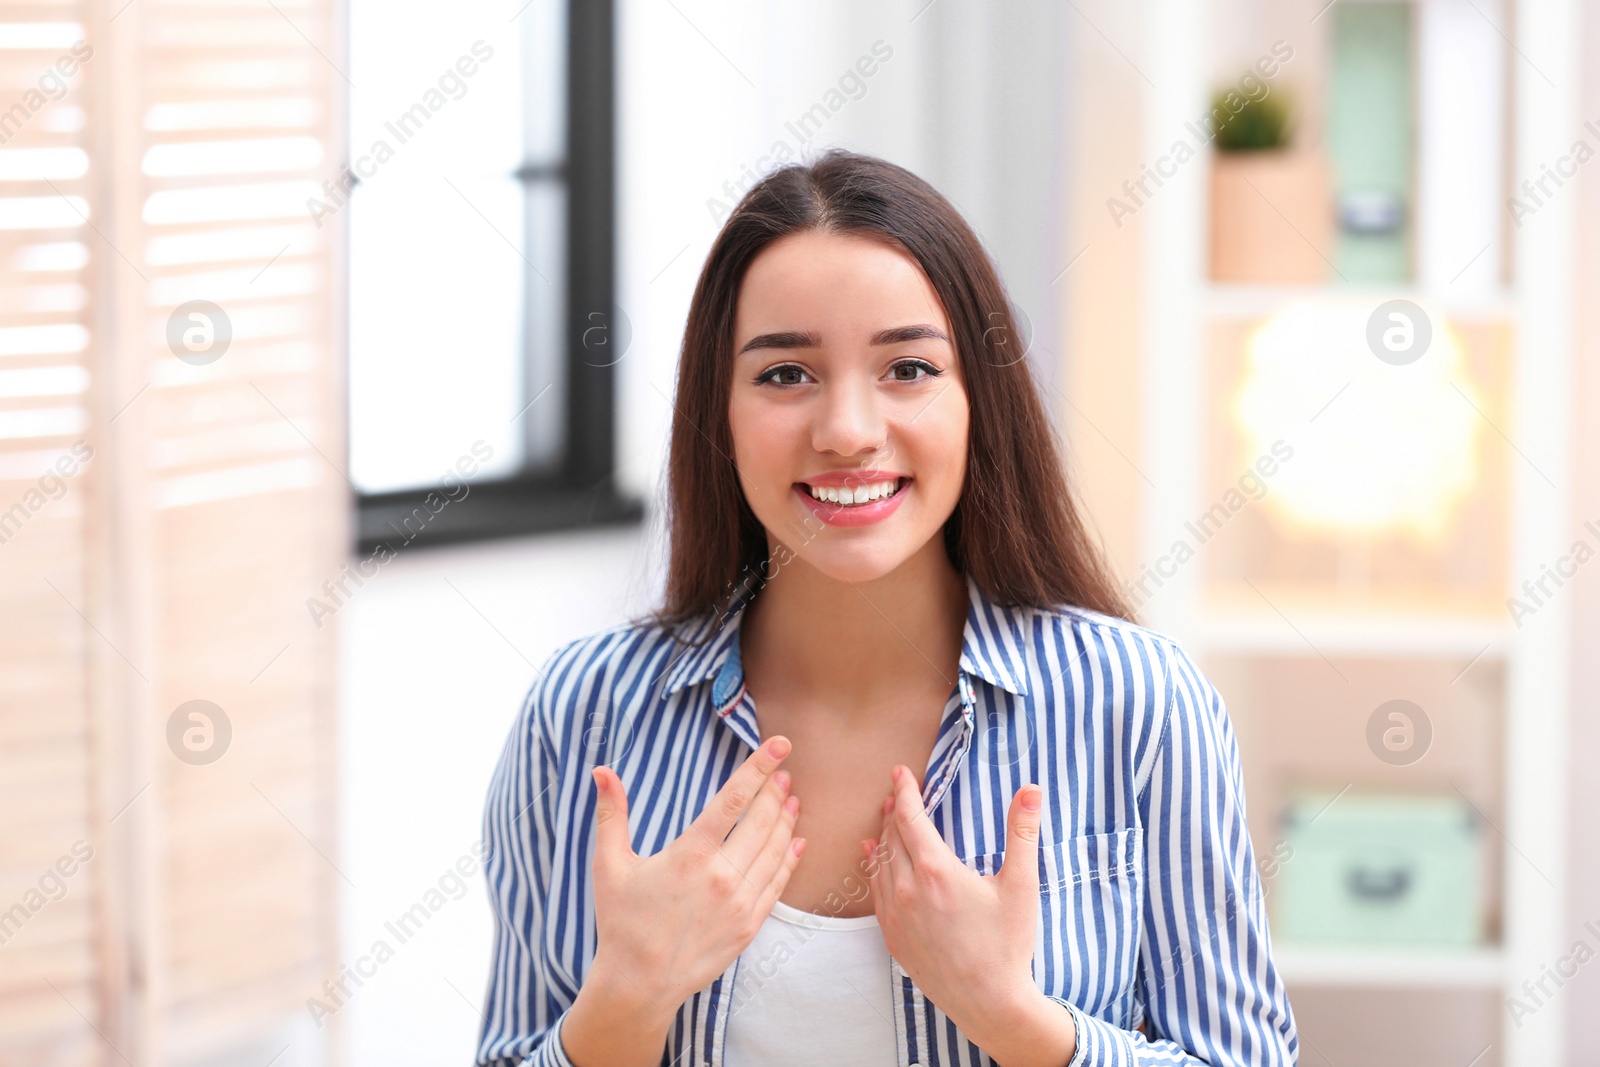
{"x": 857, "y": 565}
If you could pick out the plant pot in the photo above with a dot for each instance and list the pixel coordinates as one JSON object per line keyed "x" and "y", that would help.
{"x": 1271, "y": 217}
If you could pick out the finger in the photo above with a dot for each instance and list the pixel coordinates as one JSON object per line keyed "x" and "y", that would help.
{"x": 876, "y": 851}
{"x": 921, "y": 841}
{"x": 791, "y": 858}
{"x": 766, "y": 863}
{"x": 889, "y": 854}
{"x": 1020, "y": 870}
{"x": 740, "y": 789}
{"x": 895, "y": 857}
{"x": 612, "y": 842}
{"x": 871, "y": 848}
{"x": 750, "y": 834}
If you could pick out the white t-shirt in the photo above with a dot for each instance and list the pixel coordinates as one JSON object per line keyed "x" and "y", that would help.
{"x": 813, "y": 989}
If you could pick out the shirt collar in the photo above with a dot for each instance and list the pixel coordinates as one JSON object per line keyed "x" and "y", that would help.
{"x": 993, "y": 647}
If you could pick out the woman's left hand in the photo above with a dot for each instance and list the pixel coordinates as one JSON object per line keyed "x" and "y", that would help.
{"x": 964, "y": 938}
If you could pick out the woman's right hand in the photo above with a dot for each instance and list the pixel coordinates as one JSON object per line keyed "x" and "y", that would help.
{"x": 670, "y": 923}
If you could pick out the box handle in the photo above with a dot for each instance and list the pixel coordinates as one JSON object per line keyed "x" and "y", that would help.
{"x": 1378, "y": 885}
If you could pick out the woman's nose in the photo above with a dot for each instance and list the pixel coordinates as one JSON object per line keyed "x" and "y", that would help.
{"x": 848, "y": 419}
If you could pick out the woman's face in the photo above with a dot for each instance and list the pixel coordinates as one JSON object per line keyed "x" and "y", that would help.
{"x": 846, "y": 384}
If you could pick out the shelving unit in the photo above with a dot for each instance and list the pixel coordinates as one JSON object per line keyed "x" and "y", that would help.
{"x": 1349, "y": 635}
{"x": 1526, "y": 748}
{"x": 1236, "y": 301}
{"x": 1478, "y": 969}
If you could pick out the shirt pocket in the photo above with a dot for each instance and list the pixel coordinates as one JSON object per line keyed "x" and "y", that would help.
{"x": 1091, "y": 899}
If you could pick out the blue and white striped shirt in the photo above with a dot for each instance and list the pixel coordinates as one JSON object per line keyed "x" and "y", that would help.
{"x": 1152, "y": 919}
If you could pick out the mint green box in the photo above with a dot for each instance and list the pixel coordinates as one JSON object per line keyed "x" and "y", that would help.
{"x": 1379, "y": 871}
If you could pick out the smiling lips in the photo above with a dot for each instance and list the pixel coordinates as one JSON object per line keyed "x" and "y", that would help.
{"x": 853, "y": 498}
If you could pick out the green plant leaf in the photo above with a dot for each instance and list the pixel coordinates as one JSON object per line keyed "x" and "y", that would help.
{"x": 1249, "y": 125}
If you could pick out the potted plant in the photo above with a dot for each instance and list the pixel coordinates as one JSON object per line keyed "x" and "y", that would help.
{"x": 1271, "y": 220}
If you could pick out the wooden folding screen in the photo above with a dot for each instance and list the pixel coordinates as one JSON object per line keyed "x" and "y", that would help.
{"x": 171, "y": 494}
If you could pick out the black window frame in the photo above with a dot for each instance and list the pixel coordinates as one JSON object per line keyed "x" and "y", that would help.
{"x": 580, "y": 490}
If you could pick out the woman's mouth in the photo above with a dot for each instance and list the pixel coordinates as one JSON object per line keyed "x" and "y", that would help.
{"x": 854, "y": 505}
{"x": 855, "y": 496}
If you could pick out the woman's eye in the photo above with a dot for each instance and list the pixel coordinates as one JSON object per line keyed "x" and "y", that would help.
{"x": 783, "y": 374}
{"x": 910, "y": 370}
{"x": 907, "y": 371}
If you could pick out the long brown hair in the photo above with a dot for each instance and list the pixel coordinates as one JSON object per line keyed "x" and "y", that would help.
{"x": 1015, "y": 529}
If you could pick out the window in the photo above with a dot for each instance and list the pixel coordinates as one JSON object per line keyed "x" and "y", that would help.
{"x": 479, "y": 191}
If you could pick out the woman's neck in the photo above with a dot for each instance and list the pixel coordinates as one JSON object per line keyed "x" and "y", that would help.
{"x": 851, "y": 646}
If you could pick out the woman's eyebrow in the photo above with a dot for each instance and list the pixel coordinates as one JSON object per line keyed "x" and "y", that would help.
{"x": 897, "y": 334}
{"x": 785, "y": 339}
{"x": 803, "y": 339}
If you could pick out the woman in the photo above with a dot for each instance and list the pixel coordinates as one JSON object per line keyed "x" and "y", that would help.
{"x": 1023, "y": 836}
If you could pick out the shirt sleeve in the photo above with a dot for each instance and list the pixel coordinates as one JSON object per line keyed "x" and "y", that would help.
{"x": 1211, "y": 994}
{"x": 524, "y": 1009}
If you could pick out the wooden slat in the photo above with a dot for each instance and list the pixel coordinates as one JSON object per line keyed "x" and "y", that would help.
{"x": 244, "y": 950}
{"x": 48, "y": 956}
{"x": 178, "y": 562}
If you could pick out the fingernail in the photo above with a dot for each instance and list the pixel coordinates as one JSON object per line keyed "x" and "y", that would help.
{"x": 782, "y": 778}
{"x": 778, "y": 747}
{"x": 792, "y": 805}
{"x": 599, "y": 781}
{"x": 799, "y": 845}
{"x": 1030, "y": 798}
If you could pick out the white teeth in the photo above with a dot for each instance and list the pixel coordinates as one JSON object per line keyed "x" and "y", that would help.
{"x": 850, "y": 497}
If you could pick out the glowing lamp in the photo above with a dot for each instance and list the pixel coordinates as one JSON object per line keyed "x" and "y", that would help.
{"x": 1375, "y": 400}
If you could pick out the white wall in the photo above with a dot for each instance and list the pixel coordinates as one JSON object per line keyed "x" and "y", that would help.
{"x": 437, "y": 653}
